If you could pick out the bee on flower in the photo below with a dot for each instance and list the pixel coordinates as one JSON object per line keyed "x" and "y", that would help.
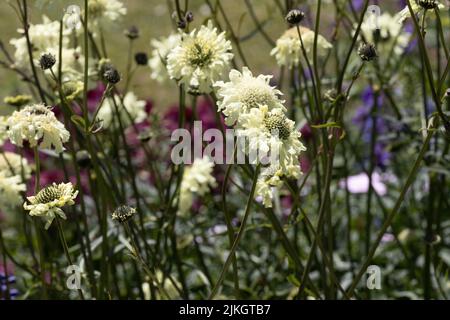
{"x": 48, "y": 202}
{"x": 37, "y": 125}
{"x": 200, "y": 59}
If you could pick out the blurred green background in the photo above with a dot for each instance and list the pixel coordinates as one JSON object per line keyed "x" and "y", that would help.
{"x": 153, "y": 18}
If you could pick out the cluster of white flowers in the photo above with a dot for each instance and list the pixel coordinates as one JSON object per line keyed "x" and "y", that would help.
{"x": 158, "y": 59}
{"x": 37, "y": 125}
{"x": 131, "y": 110}
{"x": 288, "y": 50}
{"x": 390, "y": 37}
{"x": 13, "y": 164}
{"x": 105, "y": 11}
{"x": 48, "y": 202}
{"x": 197, "y": 179}
{"x": 44, "y": 38}
{"x": 200, "y": 59}
{"x": 416, "y": 8}
{"x": 259, "y": 116}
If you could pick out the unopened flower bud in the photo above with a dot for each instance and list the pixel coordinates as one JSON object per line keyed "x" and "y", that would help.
{"x": 295, "y": 16}
{"x": 47, "y": 61}
{"x": 189, "y": 16}
{"x": 111, "y": 75}
{"x": 132, "y": 33}
{"x": 123, "y": 213}
{"x": 181, "y": 24}
{"x": 141, "y": 58}
{"x": 367, "y": 52}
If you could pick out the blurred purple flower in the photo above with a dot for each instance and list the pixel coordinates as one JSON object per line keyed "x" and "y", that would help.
{"x": 7, "y": 281}
{"x": 360, "y": 183}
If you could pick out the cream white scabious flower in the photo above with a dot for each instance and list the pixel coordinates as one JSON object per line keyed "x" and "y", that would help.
{"x": 391, "y": 36}
{"x": 200, "y": 59}
{"x": 158, "y": 60}
{"x": 13, "y": 164}
{"x": 48, "y": 202}
{"x": 243, "y": 92}
{"x": 197, "y": 179}
{"x": 10, "y": 191}
{"x": 416, "y": 8}
{"x": 288, "y": 51}
{"x": 271, "y": 131}
{"x": 106, "y": 10}
{"x": 38, "y": 125}
{"x": 44, "y": 38}
{"x": 131, "y": 108}
{"x": 269, "y": 179}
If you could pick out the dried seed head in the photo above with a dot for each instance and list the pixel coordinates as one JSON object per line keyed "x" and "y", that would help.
{"x": 141, "y": 58}
{"x": 111, "y": 75}
{"x": 123, "y": 213}
{"x": 367, "y": 52}
{"x": 295, "y": 16}
{"x": 189, "y": 16}
{"x": 181, "y": 24}
{"x": 46, "y": 61}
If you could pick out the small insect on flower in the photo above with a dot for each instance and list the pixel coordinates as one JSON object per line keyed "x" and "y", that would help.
{"x": 123, "y": 213}
{"x": 367, "y": 52}
{"x": 37, "y": 125}
{"x": 47, "y": 61}
{"x": 48, "y": 202}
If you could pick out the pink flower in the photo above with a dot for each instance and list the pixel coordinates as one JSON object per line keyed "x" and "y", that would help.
{"x": 360, "y": 183}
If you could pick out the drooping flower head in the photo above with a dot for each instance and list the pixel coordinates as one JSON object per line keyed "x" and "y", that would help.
{"x": 288, "y": 51}
{"x": 37, "y": 125}
{"x": 158, "y": 59}
{"x": 269, "y": 179}
{"x": 243, "y": 92}
{"x": 200, "y": 59}
{"x": 48, "y": 202}
{"x": 197, "y": 179}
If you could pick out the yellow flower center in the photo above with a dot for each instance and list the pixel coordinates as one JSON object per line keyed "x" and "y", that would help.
{"x": 199, "y": 54}
{"x": 275, "y": 123}
{"x": 49, "y": 194}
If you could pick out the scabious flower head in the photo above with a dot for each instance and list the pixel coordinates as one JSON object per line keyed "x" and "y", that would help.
{"x": 158, "y": 59}
{"x": 44, "y": 38}
{"x": 37, "y": 125}
{"x": 271, "y": 131}
{"x": 269, "y": 179}
{"x": 243, "y": 92}
{"x": 390, "y": 37}
{"x": 12, "y": 164}
{"x": 200, "y": 59}
{"x": 131, "y": 111}
{"x": 123, "y": 213}
{"x": 106, "y": 10}
{"x": 11, "y": 187}
{"x": 197, "y": 179}
{"x": 48, "y": 202}
{"x": 288, "y": 50}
